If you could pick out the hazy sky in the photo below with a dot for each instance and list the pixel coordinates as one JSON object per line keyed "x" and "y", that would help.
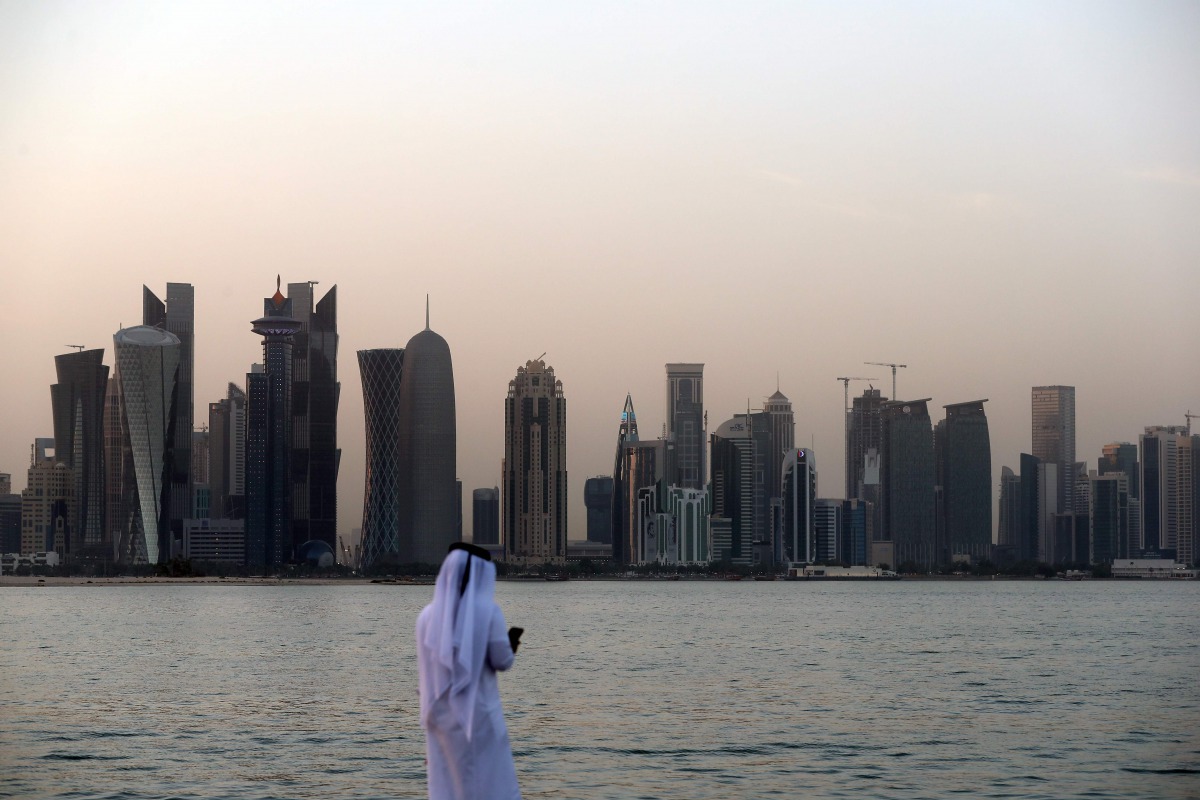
{"x": 998, "y": 195}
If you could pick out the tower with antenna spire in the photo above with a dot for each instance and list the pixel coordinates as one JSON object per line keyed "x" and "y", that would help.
{"x": 429, "y": 506}
{"x": 269, "y": 438}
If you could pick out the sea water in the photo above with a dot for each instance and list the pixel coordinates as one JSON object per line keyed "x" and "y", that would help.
{"x": 622, "y": 689}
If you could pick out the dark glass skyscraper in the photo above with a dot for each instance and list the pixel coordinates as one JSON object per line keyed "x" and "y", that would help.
{"x": 1028, "y": 527}
{"x": 597, "y": 497}
{"x": 269, "y": 542}
{"x": 908, "y": 474}
{"x": 1108, "y": 518}
{"x": 177, "y": 316}
{"x": 485, "y": 516}
{"x": 315, "y": 391}
{"x": 799, "y": 503}
{"x": 381, "y": 372}
{"x": 734, "y": 488}
{"x": 965, "y": 474}
{"x": 78, "y": 403}
{"x": 778, "y": 411}
{"x": 227, "y": 455}
{"x": 685, "y": 424}
{"x": 429, "y": 508}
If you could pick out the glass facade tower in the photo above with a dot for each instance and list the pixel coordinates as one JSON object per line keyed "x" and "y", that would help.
{"x": 908, "y": 475}
{"x": 148, "y": 361}
{"x": 78, "y": 404}
{"x": 965, "y": 475}
{"x": 177, "y": 316}
{"x": 381, "y": 372}
{"x": 1054, "y": 436}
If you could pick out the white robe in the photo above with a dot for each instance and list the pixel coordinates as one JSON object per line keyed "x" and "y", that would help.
{"x": 482, "y": 768}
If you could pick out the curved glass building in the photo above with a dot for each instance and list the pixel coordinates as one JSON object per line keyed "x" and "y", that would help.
{"x": 428, "y": 492}
{"x": 147, "y": 368}
{"x": 381, "y": 372}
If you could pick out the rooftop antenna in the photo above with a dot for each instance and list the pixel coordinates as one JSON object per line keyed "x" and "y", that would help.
{"x": 426, "y": 312}
{"x": 78, "y": 347}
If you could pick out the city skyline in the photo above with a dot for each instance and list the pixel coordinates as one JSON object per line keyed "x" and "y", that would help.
{"x": 982, "y": 196}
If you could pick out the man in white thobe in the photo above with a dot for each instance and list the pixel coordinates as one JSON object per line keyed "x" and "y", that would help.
{"x": 461, "y": 644}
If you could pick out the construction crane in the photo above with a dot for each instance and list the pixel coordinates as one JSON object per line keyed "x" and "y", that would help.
{"x": 1190, "y": 416}
{"x": 78, "y": 347}
{"x": 893, "y": 366}
{"x": 846, "y": 385}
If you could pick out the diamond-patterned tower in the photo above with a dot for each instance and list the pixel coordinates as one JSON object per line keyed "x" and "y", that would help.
{"x": 381, "y": 372}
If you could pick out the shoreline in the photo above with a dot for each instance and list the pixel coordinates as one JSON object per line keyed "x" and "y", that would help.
{"x": 19, "y": 581}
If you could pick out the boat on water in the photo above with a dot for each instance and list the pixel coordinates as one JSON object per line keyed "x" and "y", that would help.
{"x": 557, "y": 577}
{"x": 764, "y": 577}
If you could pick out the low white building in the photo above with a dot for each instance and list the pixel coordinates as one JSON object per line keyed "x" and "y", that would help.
{"x": 1157, "y": 568}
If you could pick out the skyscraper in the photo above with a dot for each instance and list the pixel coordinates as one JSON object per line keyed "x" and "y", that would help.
{"x": 46, "y": 502}
{"x": 1121, "y": 457}
{"x": 314, "y": 404}
{"x": 597, "y": 498}
{"x": 863, "y": 453}
{"x": 782, "y": 438}
{"x": 799, "y": 503}
{"x": 685, "y": 424}
{"x": 485, "y": 516}
{"x": 1008, "y": 535}
{"x": 227, "y": 454}
{"x": 269, "y": 542}
{"x": 734, "y": 491}
{"x": 965, "y": 474}
{"x": 1054, "y": 436}
{"x": 78, "y": 403}
{"x": 908, "y": 475}
{"x": 535, "y": 467}
{"x": 382, "y": 372}
{"x": 148, "y": 361}
{"x": 430, "y": 508}
{"x": 1027, "y": 544}
{"x": 177, "y": 316}
{"x": 118, "y": 465}
{"x": 1108, "y": 518}
{"x": 1167, "y": 491}
{"x": 623, "y": 480}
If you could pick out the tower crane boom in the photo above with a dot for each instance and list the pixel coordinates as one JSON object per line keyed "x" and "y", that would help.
{"x": 893, "y": 366}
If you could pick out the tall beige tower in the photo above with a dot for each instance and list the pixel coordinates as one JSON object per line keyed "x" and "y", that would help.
{"x": 1054, "y": 436}
{"x": 535, "y": 467}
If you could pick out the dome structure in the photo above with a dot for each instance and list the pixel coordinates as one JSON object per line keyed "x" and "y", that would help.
{"x": 315, "y": 553}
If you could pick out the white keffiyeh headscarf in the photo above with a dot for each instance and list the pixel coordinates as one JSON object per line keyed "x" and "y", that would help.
{"x": 456, "y": 636}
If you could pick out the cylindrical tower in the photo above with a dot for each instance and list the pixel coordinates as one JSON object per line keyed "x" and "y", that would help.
{"x": 428, "y": 443}
{"x": 147, "y": 367}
